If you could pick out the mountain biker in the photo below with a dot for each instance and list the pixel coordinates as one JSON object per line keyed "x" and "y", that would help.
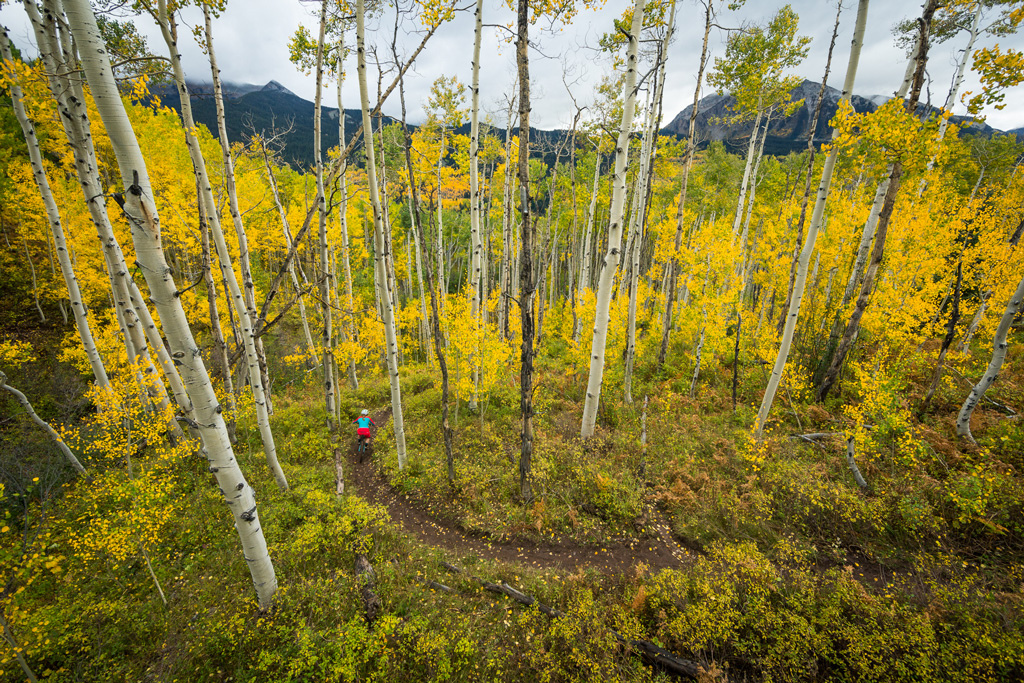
{"x": 364, "y": 421}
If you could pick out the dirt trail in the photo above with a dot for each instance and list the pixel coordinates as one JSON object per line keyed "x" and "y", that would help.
{"x": 613, "y": 558}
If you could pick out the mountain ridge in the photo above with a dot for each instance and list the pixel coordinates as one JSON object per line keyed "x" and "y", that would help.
{"x": 273, "y": 107}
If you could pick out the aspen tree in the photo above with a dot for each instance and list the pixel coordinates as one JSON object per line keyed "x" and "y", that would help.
{"x": 999, "y": 347}
{"x": 884, "y": 216}
{"x": 248, "y": 288}
{"x": 611, "y": 259}
{"x": 28, "y": 130}
{"x": 525, "y": 265}
{"x": 505, "y": 286}
{"x": 646, "y": 171}
{"x": 672, "y": 266}
{"x": 378, "y": 233}
{"x": 476, "y": 244}
{"x": 288, "y": 245}
{"x": 435, "y": 319}
{"x": 588, "y": 238}
{"x": 220, "y": 360}
{"x": 56, "y": 52}
{"x": 145, "y": 225}
{"x": 752, "y": 71}
{"x": 808, "y": 179}
{"x": 954, "y": 90}
{"x": 346, "y": 249}
{"x": 169, "y": 31}
{"x": 824, "y": 187}
{"x": 870, "y": 226}
{"x": 23, "y": 400}
{"x": 327, "y": 358}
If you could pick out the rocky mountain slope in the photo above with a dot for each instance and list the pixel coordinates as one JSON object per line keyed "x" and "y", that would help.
{"x": 785, "y": 133}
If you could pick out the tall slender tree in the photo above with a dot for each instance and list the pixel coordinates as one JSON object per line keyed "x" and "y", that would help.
{"x": 144, "y": 220}
{"x": 611, "y": 260}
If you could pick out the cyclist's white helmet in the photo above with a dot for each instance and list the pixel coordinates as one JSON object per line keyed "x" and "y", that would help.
{"x": 365, "y": 412}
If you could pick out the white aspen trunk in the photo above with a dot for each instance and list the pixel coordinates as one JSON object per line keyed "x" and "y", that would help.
{"x": 828, "y": 296}
{"x": 78, "y": 307}
{"x": 750, "y": 200}
{"x": 650, "y": 137}
{"x": 760, "y": 316}
{"x": 631, "y": 323}
{"x": 672, "y": 266}
{"x": 23, "y": 400}
{"x": 35, "y": 283}
{"x": 286, "y": 230}
{"x": 55, "y": 50}
{"x": 476, "y": 244}
{"x": 248, "y": 288}
{"x": 474, "y": 161}
{"x": 346, "y": 251}
{"x": 588, "y": 240}
{"x": 631, "y": 229}
{"x": 168, "y": 29}
{"x": 999, "y": 346}
{"x": 696, "y": 364}
{"x": 219, "y": 346}
{"x": 442, "y": 281}
{"x": 812, "y": 232}
{"x": 871, "y": 224}
{"x": 145, "y": 226}
{"x": 378, "y": 232}
{"x": 325, "y": 266}
{"x": 611, "y": 260}
{"x": 741, "y": 202}
{"x": 954, "y": 90}
{"x": 424, "y": 319}
{"x": 504, "y": 305}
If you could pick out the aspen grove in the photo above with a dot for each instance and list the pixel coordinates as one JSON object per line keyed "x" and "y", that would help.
{"x": 732, "y": 398}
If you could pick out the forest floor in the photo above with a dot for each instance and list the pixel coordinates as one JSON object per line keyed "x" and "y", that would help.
{"x": 653, "y": 546}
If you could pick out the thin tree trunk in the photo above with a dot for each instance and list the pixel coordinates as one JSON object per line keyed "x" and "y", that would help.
{"x": 78, "y": 307}
{"x": 526, "y": 279}
{"x": 248, "y": 288}
{"x": 168, "y": 28}
{"x": 588, "y": 239}
{"x": 999, "y": 346}
{"x": 378, "y": 232}
{"x": 672, "y": 275}
{"x": 23, "y": 400}
{"x": 505, "y": 306}
{"x": 435, "y": 320}
{"x": 611, "y": 260}
{"x": 867, "y": 287}
{"x": 811, "y": 153}
{"x": 346, "y": 251}
{"x": 951, "y": 97}
{"x": 220, "y": 347}
{"x": 965, "y": 345}
{"x": 824, "y": 187}
{"x": 286, "y": 230}
{"x": 144, "y": 221}
{"x": 327, "y": 336}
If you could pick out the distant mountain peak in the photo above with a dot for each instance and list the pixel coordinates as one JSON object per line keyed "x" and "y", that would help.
{"x": 274, "y": 86}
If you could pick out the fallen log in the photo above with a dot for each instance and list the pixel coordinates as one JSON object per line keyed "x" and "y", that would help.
{"x": 368, "y": 581}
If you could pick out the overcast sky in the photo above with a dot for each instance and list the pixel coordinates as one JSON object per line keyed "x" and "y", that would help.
{"x": 251, "y": 40}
